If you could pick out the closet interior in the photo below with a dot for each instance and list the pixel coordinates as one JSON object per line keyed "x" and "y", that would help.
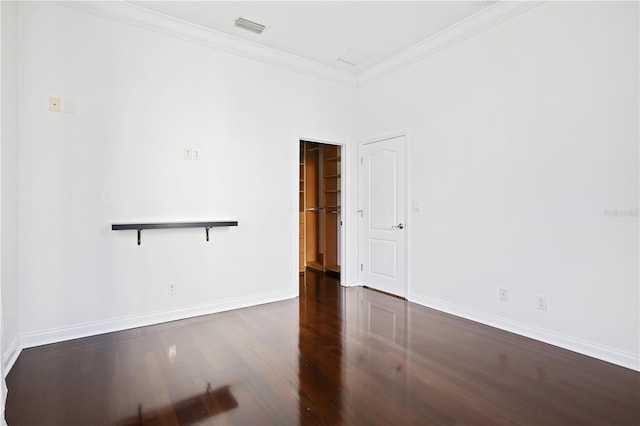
{"x": 320, "y": 215}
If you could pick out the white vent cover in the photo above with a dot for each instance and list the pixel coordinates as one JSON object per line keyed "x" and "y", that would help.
{"x": 254, "y": 27}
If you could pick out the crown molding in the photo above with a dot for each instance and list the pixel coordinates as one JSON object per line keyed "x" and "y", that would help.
{"x": 130, "y": 14}
{"x": 483, "y": 20}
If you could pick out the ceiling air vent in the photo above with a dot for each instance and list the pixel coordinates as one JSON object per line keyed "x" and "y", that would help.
{"x": 254, "y": 27}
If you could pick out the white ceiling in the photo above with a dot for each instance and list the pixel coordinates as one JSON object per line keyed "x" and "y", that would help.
{"x": 323, "y": 31}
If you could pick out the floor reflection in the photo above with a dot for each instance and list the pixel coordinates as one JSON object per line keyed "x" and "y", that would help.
{"x": 187, "y": 411}
{"x": 352, "y": 342}
{"x": 320, "y": 356}
{"x": 376, "y": 356}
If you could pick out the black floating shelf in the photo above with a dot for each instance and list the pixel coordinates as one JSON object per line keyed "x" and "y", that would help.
{"x": 172, "y": 225}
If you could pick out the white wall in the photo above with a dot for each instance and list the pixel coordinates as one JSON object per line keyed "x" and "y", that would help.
{"x": 521, "y": 139}
{"x": 140, "y": 99}
{"x": 9, "y": 179}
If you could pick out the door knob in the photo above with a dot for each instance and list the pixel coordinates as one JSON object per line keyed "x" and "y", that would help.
{"x": 399, "y": 226}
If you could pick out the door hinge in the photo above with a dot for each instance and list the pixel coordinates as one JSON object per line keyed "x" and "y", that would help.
{"x": 361, "y": 160}
{"x": 361, "y": 267}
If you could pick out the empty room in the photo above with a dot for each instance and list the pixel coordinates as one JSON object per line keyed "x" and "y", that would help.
{"x": 320, "y": 212}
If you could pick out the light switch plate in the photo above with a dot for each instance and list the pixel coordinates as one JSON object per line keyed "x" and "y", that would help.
{"x": 69, "y": 106}
{"x": 55, "y": 104}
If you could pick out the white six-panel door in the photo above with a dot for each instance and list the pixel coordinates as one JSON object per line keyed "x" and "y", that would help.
{"x": 382, "y": 232}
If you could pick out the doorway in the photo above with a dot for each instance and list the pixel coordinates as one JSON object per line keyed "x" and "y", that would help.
{"x": 383, "y": 216}
{"x": 320, "y": 207}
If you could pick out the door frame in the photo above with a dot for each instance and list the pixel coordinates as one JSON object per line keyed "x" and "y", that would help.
{"x": 344, "y": 229}
{"x": 405, "y": 178}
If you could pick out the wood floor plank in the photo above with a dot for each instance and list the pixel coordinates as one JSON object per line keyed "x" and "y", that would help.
{"x": 334, "y": 356}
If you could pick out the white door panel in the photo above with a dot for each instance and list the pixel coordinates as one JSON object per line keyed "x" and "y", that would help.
{"x": 382, "y": 234}
{"x": 382, "y": 178}
{"x": 382, "y": 255}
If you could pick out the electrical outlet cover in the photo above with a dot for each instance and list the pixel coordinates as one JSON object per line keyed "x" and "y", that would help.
{"x": 541, "y": 303}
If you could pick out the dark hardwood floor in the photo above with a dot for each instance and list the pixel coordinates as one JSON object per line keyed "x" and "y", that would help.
{"x": 333, "y": 356}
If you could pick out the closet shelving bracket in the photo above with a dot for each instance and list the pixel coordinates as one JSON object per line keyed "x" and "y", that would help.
{"x": 171, "y": 225}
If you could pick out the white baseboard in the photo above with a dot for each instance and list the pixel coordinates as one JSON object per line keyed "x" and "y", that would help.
{"x": 10, "y": 355}
{"x": 117, "y": 324}
{"x": 594, "y": 350}
{"x": 604, "y": 353}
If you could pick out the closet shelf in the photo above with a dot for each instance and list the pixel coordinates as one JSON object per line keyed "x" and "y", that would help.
{"x": 171, "y": 225}
{"x": 333, "y": 268}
